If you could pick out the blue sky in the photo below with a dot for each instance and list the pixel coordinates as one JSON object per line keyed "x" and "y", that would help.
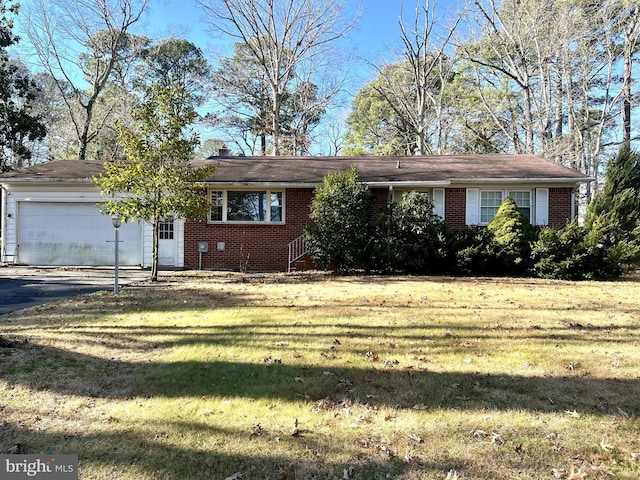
{"x": 376, "y": 37}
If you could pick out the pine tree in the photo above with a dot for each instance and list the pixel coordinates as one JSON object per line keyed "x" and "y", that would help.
{"x": 617, "y": 206}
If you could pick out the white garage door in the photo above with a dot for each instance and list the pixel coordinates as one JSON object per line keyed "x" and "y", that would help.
{"x": 73, "y": 234}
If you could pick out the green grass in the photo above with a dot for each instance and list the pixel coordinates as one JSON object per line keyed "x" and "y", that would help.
{"x": 294, "y": 377}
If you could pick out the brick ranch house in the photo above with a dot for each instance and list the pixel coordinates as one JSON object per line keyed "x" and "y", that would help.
{"x": 260, "y": 205}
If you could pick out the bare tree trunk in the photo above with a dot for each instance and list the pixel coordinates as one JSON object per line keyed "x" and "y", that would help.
{"x": 81, "y": 35}
{"x": 283, "y": 37}
{"x": 155, "y": 227}
{"x": 631, "y": 35}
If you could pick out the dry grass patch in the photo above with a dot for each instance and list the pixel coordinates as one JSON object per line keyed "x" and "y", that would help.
{"x": 296, "y": 377}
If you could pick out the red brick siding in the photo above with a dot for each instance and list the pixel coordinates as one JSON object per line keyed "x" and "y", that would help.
{"x": 455, "y": 208}
{"x": 380, "y": 201}
{"x": 265, "y": 247}
{"x": 560, "y": 207}
{"x": 254, "y": 246}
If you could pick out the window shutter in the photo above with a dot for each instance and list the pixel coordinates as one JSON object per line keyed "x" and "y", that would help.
{"x": 473, "y": 209}
{"x": 438, "y": 202}
{"x": 542, "y": 206}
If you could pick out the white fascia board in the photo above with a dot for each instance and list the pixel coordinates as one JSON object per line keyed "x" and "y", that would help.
{"x": 265, "y": 185}
{"x": 40, "y": 181}
{"x": 408, "y": 184}
{"x": 546, "y": 181}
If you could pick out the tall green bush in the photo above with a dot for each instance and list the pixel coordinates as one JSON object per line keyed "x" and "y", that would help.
{"x": 512, "y": 235}
{"x": 578, "y": 253}
{"x": 341, "y": 210}
{"x": 412, "y": 238}
{"x": 474, "y": 252}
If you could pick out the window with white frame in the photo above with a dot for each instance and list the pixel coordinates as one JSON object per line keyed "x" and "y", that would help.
{"x": 490, "y": 201}
{"x": 523, "y": 201}
{"x": 165, "y": 229}
{"x": 247, "y": 206}
{"x": 217, "y": 206}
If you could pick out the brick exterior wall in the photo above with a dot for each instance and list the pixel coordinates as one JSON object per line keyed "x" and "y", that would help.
{"x": 455, "y": 208}
{"x": 560, "y": 207}
{"x": 258, "y": 247}
{"x": 264, "y": 247}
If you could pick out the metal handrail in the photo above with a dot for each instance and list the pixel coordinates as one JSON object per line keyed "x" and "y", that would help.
{"x": 297, "y": 249}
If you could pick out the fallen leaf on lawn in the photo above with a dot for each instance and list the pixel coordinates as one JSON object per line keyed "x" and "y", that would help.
{"x": 282, "y": 344}
{"x": 298, "y": 379}
{"x": 256, "y": 430}
{"x": 479, "y": 433}
{"x": 572, "y": 413}
{"x": 635, "y": 456}
{"x": 415, "y": 438}
{"x": 409, "y": 458}
{"x": 559, "y": 472}
{"x": 15, "y": 449}
{"x": 579, "y": 475}
{"x": 601, "y": 468}
{"x": 348, "y": 473}
{"x": 496, "y": 438}
{"x": 420, "y": 406}
{"x": 296, "y": 433}
{"x": 452, "y": 475}
{"x": 235, "y": 476}
{"x": 605, "y": 446}
{"x": 622, "y": 412}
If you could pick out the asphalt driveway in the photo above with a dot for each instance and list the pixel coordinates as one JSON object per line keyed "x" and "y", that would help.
{"x": 22, "y": 287}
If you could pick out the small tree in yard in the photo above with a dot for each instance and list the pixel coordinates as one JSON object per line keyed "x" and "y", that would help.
{"x": 512, "y": 235}
{"x": 614, "y": 214}
{"x": 340, "y": 209}
{"x": 157, "y": 181}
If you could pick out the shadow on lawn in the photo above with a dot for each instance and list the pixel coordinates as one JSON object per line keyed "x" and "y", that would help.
{"x": 133, "y": 451}
{"x": 46, "y": 368}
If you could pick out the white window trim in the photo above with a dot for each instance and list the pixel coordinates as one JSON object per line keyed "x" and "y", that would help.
{"x": 225, "y": 204}
{"x": 480, "y": 191}
{"x": 474, "y": 203}
{"x": 436, "y": 195}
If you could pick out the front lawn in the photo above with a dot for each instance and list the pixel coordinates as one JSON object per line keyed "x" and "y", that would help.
{"x": 216, "y": 376}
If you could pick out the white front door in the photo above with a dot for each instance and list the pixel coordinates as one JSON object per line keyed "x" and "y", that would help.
{"x": 167, "y": 245}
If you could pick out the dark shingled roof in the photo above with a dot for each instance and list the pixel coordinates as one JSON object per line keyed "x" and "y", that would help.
{"x": 373, "y": 169}
{"x": 390, "y": 169}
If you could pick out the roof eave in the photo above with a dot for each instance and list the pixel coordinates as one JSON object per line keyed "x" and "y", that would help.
{"x": 550, "y": 180}
{"x": 9, "y": 180}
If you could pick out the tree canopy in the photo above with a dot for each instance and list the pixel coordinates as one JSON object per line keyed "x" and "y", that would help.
{"x": 20, "y": 125}
{"x": 156, "y": 181}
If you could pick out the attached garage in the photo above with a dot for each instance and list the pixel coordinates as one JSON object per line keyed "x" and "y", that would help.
{"x": 50, "y": 216}
{"x": 65, "y": 233}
